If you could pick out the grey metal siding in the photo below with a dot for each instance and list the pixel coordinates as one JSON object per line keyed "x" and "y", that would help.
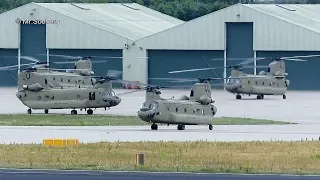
{"x": 162, "y": 61}
{"x": 33, "y": 41}
{"x": 8, "y": 57}
{"x": 100, "y": 69}
{"x": 302, "y": 75}
{"x": 239, "y": 43}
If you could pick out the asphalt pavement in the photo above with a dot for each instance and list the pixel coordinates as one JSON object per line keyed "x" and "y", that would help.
{"x": 14, "y": 174}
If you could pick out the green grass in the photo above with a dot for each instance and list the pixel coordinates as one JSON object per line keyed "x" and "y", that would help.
{"x": 104, "y": 120}
{"x": 302, "y": 157}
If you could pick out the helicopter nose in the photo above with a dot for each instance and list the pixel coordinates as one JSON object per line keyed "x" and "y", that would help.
{"x": 113, "y": 100}
{"x": 146, "y": 114}
{"x": 19, "y": 95}
{"x": 232, "y": 87}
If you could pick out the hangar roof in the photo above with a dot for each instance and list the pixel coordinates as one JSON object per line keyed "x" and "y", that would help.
{"x": 304, "y": 15}
{"x": 129, "y": 20}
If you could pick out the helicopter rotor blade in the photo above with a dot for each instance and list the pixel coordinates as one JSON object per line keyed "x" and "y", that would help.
{"x": 294, "y": 59}
{"x": 62, "y": 56}
{"x": 13, "y": 66}
{"x": 204, "y": 69}
{"x": 30, "y": 58}
{"x": 114, "y": 73}
{"x": 299, "y": 56}
{"x": 191, "y": 70}
{"x": 8, "y": 69}
{"x": 120, "y": 94}
{"x": 80, "y": 57}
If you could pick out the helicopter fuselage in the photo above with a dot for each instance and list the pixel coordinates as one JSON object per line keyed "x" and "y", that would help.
{"x": 183, "y": 112}
{"x": 57, "y": 79}
{"x": 257, "y": 85}
{"x": 68, "y": 98}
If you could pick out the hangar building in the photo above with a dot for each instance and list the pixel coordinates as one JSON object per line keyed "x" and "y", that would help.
{"x": 239, "y": 31}
{"x": 79, "y": 30}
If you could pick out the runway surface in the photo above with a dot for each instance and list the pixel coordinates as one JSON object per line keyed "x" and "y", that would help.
{"x": 144, "y": 133}
{"x": 98, "y": 175}
{"x": 300, "y": 107}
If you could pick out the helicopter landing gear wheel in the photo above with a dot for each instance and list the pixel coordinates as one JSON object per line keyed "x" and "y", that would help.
{"x": 74, "y": 111}
{"x": 29, "y": 111}
{"x": 181, "y": 127}
{"x": 89, "y": 111}
{"x": 284, "y": 96}
{"x": 46, "y": 111}
{"x": 154, "y": 126}
{"x": 238, "y": 96}
{"x": 260, "y": 96}
{"x": 210, "y": 127}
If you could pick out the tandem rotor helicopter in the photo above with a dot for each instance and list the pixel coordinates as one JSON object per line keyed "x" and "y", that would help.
{"x": 43, "y": 92}
{"x": 271, "y": 82}
{"x": 39, "y": 72}
{"x": 100, "y": 95}
{"x": 197, "y": 109}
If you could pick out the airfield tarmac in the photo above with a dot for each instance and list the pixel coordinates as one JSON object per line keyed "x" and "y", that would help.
{"x": 300, "y": 107}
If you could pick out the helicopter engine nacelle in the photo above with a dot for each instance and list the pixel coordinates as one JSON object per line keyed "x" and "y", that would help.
{"x": 184, "y": 97}
{"x": 205, "y": 100}
{"x": 263, "y": 73}
{"x": 86, "y": 73}
{"x": 33, "y": 87}
{"x": 278, "y": 73}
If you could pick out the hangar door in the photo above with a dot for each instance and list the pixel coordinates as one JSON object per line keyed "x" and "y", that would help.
{"x": 303, "y": 75}
{"x": 33, "y": 42}
{"x": 161, "y": 62}
{"x": 239, "y": 44}
{"x": 8, "y": 57}
{"x": 100, "y": 68}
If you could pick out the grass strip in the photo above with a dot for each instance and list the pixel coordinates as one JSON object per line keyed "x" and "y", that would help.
{"x": 107, "y": 120}
{"x": 302, "y": 157}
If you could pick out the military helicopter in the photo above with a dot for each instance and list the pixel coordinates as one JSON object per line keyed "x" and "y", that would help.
{"x": 38, "y": 71}
{"x": 197, "y": 109}
{"x": 100, "y": 95}
{"x": 271, "y": 82}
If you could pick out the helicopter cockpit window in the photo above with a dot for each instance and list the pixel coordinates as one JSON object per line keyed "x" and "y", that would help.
{"x": 153, "y": 106}
{"x": 112, "y": 93}
{"x": 144, "y": 105}
{"x": 233, "y": 81}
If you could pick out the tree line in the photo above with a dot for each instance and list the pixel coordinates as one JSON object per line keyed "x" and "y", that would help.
{"x": 182, "y": 9}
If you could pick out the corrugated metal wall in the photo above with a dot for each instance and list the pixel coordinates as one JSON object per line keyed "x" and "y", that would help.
{"x": 162, "y": 61}
{"x": 208, "y": 33}
{"x": 8, "y": 57}
{"x": 68, "y": 33}
{"x": 302, "y": 75}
